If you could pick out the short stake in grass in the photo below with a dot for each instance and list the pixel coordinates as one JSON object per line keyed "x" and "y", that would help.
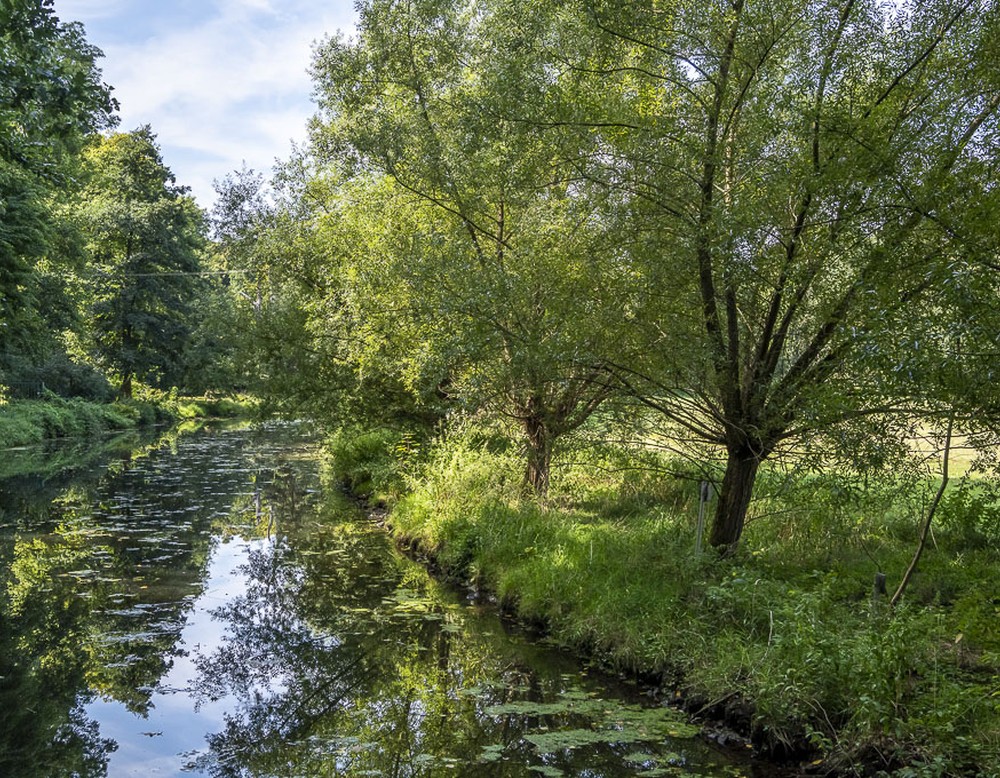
{"x": 704, "y": 494}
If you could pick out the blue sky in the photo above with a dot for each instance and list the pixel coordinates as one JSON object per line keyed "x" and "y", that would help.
{"x": 222, "y": 82}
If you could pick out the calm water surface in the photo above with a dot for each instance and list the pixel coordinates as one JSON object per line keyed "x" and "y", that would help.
{"x": 207, "y": 605}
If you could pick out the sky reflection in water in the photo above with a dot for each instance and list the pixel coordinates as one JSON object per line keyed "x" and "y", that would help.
{"x": 173, "y": 733}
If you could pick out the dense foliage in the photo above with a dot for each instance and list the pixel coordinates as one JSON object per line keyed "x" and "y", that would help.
{"x": 745, "y": 243}
{"x": 758, "y": 235}
{"x": 769, "y": 225}
{"x": 143, "y": 239}
{"x": 103, "y": 258}
{"x": 52, "y": 97}
{"x": 784, "y": 643}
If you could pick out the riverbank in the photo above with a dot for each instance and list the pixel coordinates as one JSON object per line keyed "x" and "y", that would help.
{"x": 24, "y": 422}
{"x": 782, "y": 642}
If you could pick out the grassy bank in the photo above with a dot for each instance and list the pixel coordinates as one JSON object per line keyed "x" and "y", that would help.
{"x": 25, "y": 422}
{"x": 32, "y": 421}
{"x": 783, "y": 640}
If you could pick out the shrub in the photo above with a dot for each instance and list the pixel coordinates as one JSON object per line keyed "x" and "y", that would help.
{"x": 31, "y": 421}
{"x": 56, "y": 374}
{"x": 971, "y": 512}
{"x": 371, "y": 464}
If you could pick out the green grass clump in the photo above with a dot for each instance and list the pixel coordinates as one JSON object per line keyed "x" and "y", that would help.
{"x": 24, "y": 422}
{"x": 173, "y": 405}
{"x": 32, "y": 421}
{"x": 371, "y": 464}
{"x": 785, "y": 631}
{"x": 210, "y": 407}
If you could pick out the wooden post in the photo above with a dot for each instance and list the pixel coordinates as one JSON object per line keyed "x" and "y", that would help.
{"x": 703, "y": 494}
{"x": 879, "y": 596}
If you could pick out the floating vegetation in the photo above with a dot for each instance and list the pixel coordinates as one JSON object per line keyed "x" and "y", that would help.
{"x": 562, "y": 707}
{"x": 545, "y": 769}
{"x": 579, "y": 720}
{"x": 568, "y": 739}
{"x": 491, "y": 753}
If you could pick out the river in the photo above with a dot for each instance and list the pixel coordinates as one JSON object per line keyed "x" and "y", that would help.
{"x": 207, "y": 604}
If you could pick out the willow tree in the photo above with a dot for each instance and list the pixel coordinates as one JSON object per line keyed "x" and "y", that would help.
{"x": 804, "y": 169}
{"x": 506, "y": 257}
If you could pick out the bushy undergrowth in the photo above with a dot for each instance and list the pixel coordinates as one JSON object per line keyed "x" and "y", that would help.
{"x": 372, "y": 464}
{"x": 23, "y": 378}
{"x": 786, "y": 631}
{"x": 178, "y": 406}
{"x": 211, "y": 407}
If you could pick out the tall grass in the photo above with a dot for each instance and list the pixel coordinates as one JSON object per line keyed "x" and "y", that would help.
{"x": 785, "y": 634}
{"x": 24, "y": 422}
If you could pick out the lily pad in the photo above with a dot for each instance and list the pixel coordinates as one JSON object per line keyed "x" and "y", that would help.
{"x": 491, "y": 753}
{"x": 568, "y": 739}
{"x": 530, "y": 708}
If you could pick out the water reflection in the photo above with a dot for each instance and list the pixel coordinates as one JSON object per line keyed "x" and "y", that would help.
{"x": 206, "y": 606}
{"x": 345, "y": 659}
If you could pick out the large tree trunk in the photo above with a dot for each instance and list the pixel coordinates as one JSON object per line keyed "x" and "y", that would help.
{"x": 539, "y": 442}
{"x": 125, "y": 392}
{"x": 734, "y": 499}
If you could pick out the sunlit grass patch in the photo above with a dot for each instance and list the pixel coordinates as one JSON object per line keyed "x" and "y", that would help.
{"x": 31, "y": 421}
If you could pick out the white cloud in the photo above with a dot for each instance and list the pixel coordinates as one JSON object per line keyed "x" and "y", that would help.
{"x": 69, "y": 10}
{"x": 222, "y": 84}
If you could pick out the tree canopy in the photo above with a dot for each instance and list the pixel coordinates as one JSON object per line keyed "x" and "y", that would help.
{"x": 800, "y": 163}
{"x": 144, "y": 236}
{"x": 747, "y": 216}
{"x": 489, "y": 249}
{"x": 51, "y": 98}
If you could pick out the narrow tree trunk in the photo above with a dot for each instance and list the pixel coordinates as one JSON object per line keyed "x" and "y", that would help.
{"x": 539, "y": 449}
{"x": 926, "y": 528}
{"x": 734, "y": 499}
{"x": 125, "y": 392}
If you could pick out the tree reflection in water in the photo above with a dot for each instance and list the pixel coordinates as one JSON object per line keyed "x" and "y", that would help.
{"x": 344, "y": 658}
{"x": 43, "y": 729}
{"x": 100, "y": 564}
